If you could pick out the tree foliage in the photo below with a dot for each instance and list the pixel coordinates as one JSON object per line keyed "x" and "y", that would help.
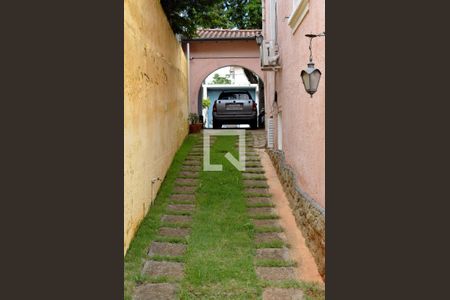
{"x": 217, "y": 79}
{"x": 185, "y": 16}
{"x": 244, "y": 14}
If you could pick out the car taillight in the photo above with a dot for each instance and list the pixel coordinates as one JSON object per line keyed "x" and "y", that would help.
{"x": 215, "y": 107}
{"x": 254, "y": 105}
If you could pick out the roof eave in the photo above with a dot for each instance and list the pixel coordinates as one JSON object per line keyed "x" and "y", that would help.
{"x": 219, "y": 39}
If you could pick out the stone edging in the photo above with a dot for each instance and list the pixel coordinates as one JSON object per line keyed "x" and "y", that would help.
{"x": 308, "y": 214}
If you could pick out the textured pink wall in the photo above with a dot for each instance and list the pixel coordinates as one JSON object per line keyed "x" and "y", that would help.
{"x": 208, "y": 56}
{"x": 303, "y": 117}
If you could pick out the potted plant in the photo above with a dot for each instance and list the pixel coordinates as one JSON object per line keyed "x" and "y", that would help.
{"x": 194, "y": 124}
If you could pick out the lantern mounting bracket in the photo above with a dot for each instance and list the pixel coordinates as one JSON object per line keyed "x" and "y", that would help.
{"x": 311, "y": 36}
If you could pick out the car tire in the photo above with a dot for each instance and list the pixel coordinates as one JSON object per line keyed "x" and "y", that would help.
{"x": 216, "y": 125}
{"x": 253, "y": 124}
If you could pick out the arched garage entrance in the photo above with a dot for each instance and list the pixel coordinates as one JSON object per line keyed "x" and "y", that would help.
{"x": 217, "y": 48}
{"x": 240, "y": 79}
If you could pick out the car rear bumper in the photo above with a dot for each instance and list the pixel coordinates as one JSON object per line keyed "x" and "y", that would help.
{"x": 232, "y": 117}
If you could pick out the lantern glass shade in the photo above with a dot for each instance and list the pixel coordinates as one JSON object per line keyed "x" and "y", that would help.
{"x": 306, "y": 81}
{"x": 311, "y": 78}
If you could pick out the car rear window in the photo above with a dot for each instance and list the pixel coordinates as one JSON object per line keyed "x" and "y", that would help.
{"x": 235, "y": 96}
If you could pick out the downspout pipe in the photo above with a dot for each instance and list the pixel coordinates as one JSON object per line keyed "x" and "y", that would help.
{"x": 263, "y": 19}
{"x": 188, "y": 47}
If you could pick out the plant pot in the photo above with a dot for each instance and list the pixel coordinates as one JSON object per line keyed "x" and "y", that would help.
{"x": 195, "y": 128}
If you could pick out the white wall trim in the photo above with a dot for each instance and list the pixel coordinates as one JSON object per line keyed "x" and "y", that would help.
{"x": 270, "y": 132}
{"x": 280, "y": 130}
{"x": 298, "y": 15}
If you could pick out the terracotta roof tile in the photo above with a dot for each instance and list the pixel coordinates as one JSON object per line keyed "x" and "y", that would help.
{"x": 227, "y": 33}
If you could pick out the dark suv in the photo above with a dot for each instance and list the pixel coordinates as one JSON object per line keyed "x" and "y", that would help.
{"x": 234, "y": 107}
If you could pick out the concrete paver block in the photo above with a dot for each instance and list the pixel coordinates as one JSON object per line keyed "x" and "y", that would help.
{"x": 255, "y": 183}
{"x": 267, "y": 237}
{"x": 163, "y": 268}
{"x": 184, "y": 189}
{"x": 174, "y": 232}
{"x": 189, "y": 174}
{"x": 182, "y": 197}
{"x": 191, "y": 168}
{"x": 156, "y": 291}
{"x": 259, "y": 200}
{"x": 190, "y": 157}
{"x": 273, "y": 253}
{"x": 187, "y": 181}
{"x": 253, "y": 211}
{"x": 166, "y": 249}
{"x": 253, "y": 176}
{"x": 266, "y": 223}
{"x": 181, "y": 207}
{"x": 282, "y": 294}
{"x": 192, "y": 163}
{"x": 276, "y": 273}
{"x": 175, "y": 219}
{"x": 257, "y": 191}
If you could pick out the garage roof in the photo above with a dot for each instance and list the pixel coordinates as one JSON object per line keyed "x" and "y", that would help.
{"x": 227, "y": 34}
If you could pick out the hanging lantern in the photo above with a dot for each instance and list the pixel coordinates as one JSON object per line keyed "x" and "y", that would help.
{"x": 259, "y": 39}
{"x": 311, "y": 78}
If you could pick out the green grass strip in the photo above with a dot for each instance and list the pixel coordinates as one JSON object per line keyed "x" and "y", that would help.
{"x": 254, "y": 177}
{"x": 272, "y": 244}
{"x": 252, "y": 195}
{"x": 265, "y": 217}
{"x": 257, "y": 186}
{"x": 275, "y": 263}
{"x": 248, "y": 164}
{"x": 161, "y": 279}
{"x": 268, "y": 229}
{"x": 172, "y": 225}
{"x": 260, "y": 205}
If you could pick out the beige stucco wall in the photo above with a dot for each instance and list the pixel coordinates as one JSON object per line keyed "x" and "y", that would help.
{"x": 303, "y": 117}
{"x": 155, "y": 106}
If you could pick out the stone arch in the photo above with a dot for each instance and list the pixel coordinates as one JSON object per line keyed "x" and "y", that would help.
{"x": 205, "y": 69}
{"x": 199, "y": 89}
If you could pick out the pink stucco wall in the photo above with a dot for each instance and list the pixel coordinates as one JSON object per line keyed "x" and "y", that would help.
{"x": 303, "y": 117}
{"x": 208, "y": 56}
